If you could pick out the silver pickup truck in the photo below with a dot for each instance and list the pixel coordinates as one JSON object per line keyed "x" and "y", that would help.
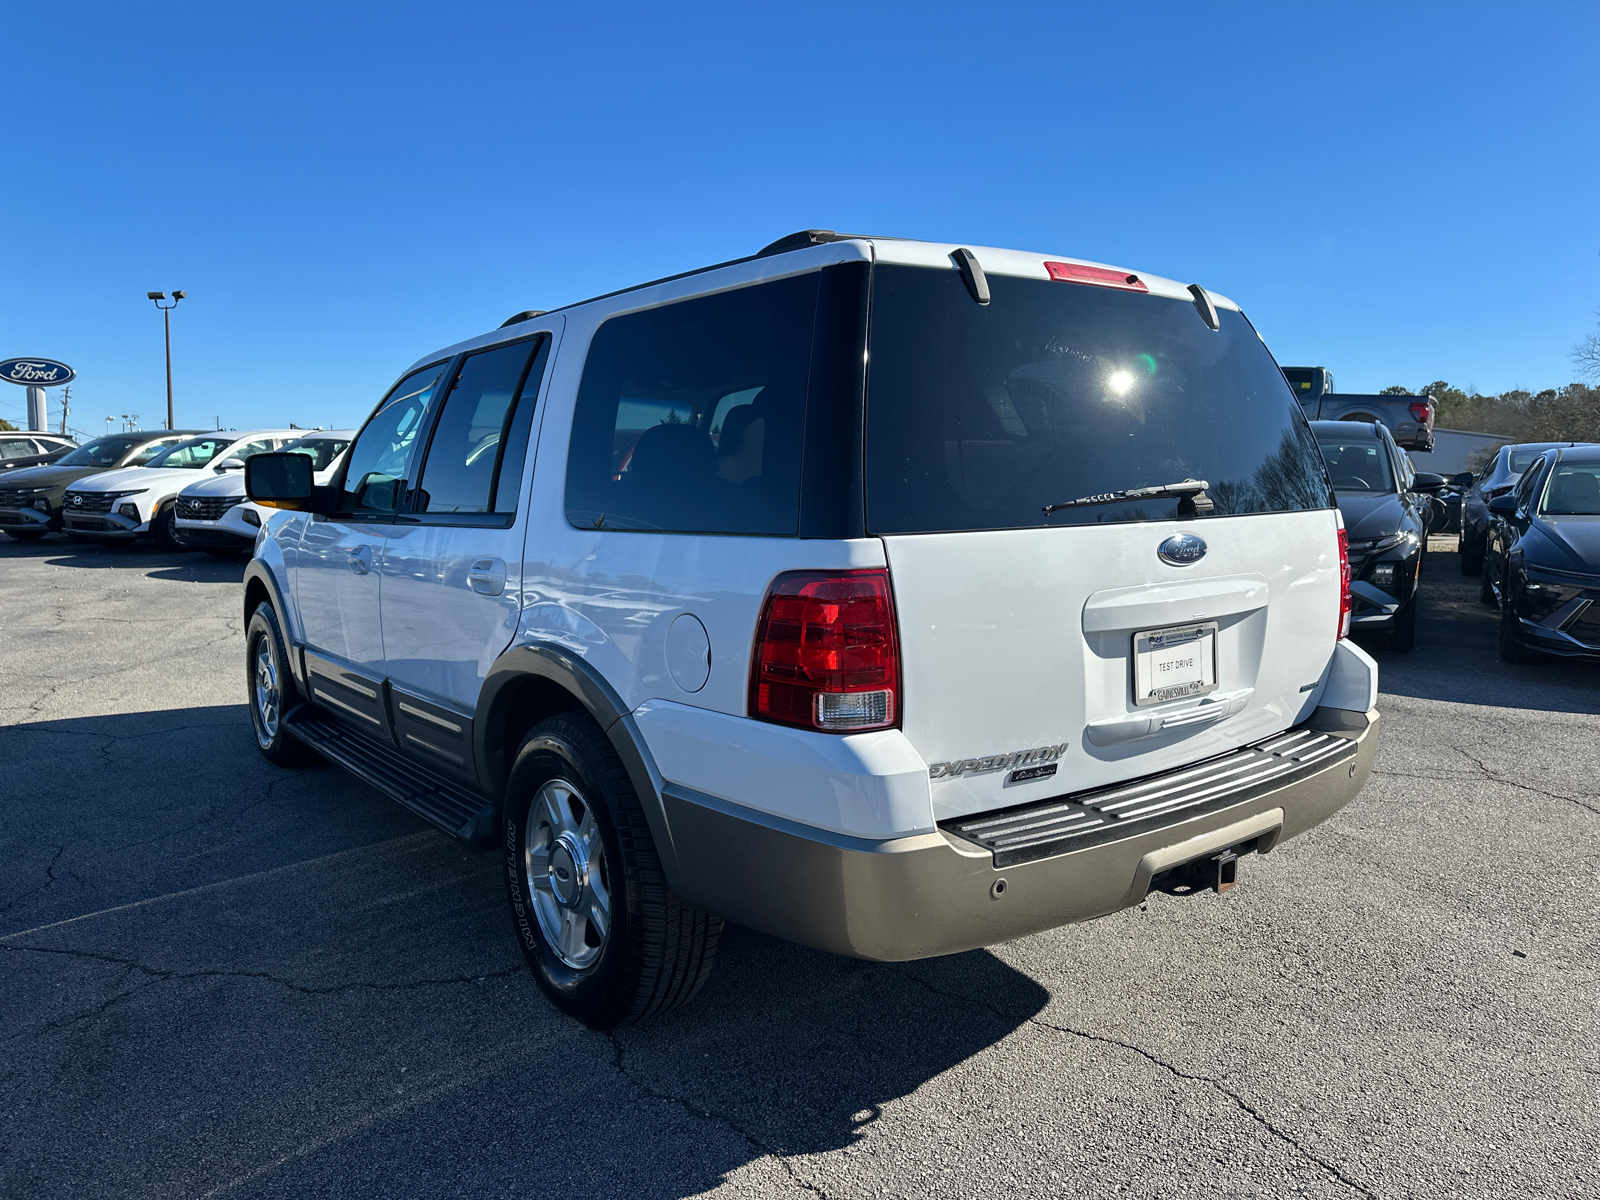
{"x": 1408, "y": 418}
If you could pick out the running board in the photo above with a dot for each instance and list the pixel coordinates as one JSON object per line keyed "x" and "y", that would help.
{"x": 457, "y": 810}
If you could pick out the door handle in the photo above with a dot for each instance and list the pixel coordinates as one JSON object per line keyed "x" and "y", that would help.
{"x": 360, "y": 560}
{"x": 487, "y": 576}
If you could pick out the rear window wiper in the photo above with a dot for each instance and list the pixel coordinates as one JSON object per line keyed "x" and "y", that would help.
{"x": 1189, "y": 487}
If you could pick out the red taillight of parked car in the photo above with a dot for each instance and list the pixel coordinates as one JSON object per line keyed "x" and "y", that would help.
{"x": 1344, "y": 582}
{"x": 827, "y": 652}
{"x": 1419, "y": 411}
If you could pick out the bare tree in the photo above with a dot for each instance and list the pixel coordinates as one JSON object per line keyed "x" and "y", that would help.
{"x": 1586, "y": 357}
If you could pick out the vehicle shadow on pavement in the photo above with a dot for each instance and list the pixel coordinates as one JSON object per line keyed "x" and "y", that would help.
{"x": 1457, "y": 655}
{"x": 186, "y": 565}
{"x": 237, "y": 979}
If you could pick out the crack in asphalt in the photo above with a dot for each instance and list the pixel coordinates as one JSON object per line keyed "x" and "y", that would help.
{"x": 763, "y": 1148}
{"x": 1495, "y": 777}
{"x": 1211, "y": 1081}
{"x": 49, "y": 878}
{"x": 160, "y": 975}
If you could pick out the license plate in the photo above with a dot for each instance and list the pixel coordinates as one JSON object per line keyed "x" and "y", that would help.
{"x": 1173, "y": 663}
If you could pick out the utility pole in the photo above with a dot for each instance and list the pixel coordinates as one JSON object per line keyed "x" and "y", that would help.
{"x": 166, "y": 319}
{"x": 66, "y": 407}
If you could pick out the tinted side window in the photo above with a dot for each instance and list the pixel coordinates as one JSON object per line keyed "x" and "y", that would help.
{"x": 1526, "y": 484}
{"x": 240, "y": 452}
{"x": 689, "y": 416}
{"x": 195, "y": 454}
{"x": 377, "y": 474}
{"x": 146, "y": 453}
{"x": 473, "y": 430}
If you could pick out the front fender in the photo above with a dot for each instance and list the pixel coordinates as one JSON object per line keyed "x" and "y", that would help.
{"x": 266, "y": 572}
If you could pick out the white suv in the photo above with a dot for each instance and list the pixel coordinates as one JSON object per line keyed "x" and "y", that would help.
{"x": 140, "y": 502}
{"x": 892, "y": 597}
{"x": 214, "y": 515}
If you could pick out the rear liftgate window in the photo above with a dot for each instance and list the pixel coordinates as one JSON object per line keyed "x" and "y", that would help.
{"x": 979, "y": 416}
{"x": 689, "y": 416}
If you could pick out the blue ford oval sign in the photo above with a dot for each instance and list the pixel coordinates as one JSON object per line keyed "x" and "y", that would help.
{"x": 36, "y": 372}
{"x": 1181, "y": 550}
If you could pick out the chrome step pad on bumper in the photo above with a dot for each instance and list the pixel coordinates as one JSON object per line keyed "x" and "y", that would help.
{"x": 1064, "y": 823}
{"x": 455, "y": 809}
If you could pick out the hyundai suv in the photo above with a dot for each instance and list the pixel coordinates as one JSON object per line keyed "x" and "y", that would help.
{"x": 214, "y": 515}
{"x": 31, "y": 498}
{"x": 892, "y": 597}
{"x": 122, "y": 506}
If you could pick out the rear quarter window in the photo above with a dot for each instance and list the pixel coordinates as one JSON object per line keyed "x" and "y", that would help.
{"x": 978, "y": 416}
{"x": 689, "y": 416}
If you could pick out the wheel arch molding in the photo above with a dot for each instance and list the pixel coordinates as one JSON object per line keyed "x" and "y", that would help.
{"x": 531, "y": 682}
{"x": 261, "y": 585}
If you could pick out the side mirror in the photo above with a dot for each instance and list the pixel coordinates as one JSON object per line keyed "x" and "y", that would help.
{"x": 1463, "y": 479}
{"x": 1504, "y": 505}
{"x": 230, "y": 464}
{"x": 279, "y": 480}
{"x": 1427, "y": 481}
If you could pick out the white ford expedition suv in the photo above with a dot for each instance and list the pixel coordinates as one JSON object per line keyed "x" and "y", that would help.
{"x": 891, "y": 597}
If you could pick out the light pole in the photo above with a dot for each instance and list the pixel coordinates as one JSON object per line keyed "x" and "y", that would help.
{"x": 166, "y": 319}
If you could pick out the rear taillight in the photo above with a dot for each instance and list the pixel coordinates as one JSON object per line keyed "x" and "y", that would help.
{"x": 1419, "y": 411}
{"x": 827, "y": 652}
{"x": 1099, "y": 276}
{"x": 1344, "y": 582}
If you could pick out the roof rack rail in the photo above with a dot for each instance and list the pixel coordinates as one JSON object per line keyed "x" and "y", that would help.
{"x": 798, "y": 241}
{"x": 523, "y": 316}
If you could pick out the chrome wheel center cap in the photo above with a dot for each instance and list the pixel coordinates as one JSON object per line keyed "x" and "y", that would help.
{"x": 569, "y": 871}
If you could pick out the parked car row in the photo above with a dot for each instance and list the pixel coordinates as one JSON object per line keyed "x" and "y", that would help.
{"x": 1541, "y": 555}
{"x": 32, "y": 449}
{"x": 130, "y": 486}
{"x": 1388, "y": 507}
{"x": 1497, "y": 479}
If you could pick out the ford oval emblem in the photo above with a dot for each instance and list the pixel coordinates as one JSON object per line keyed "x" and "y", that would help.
{"x": 36, "y": 372}
{"x": 1181, "y": 550}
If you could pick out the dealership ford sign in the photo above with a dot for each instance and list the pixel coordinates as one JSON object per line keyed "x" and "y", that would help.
{"x": 36, "y": 372}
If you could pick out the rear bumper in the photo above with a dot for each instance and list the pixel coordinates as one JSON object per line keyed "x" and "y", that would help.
{"x": 1410, "y": 436}
{"x": 936, "y": 893}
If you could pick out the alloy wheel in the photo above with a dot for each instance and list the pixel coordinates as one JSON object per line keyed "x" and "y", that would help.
{"x": 564, "y": 862}
{"x": 267, "y": 692}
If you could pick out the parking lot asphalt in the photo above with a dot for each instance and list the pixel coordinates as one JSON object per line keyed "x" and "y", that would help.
{"x": 222, "y": 978}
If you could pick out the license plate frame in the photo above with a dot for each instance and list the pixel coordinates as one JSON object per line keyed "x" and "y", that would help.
{"x": 1153, "y": 647}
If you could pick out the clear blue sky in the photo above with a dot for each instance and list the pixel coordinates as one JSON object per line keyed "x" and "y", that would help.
{"x": 1400, "y": 193}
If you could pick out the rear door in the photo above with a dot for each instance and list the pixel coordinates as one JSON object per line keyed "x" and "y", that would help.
{"x": 1112, "y": 637}
{"x": 452, "y": 582}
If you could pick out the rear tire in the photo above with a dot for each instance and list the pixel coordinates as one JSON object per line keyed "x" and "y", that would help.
{"x": 271, "y": 688}
{"x": 1486, "y": 589}
{"x": 1512, "y": 648}
{"x": 606, "y": 938}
